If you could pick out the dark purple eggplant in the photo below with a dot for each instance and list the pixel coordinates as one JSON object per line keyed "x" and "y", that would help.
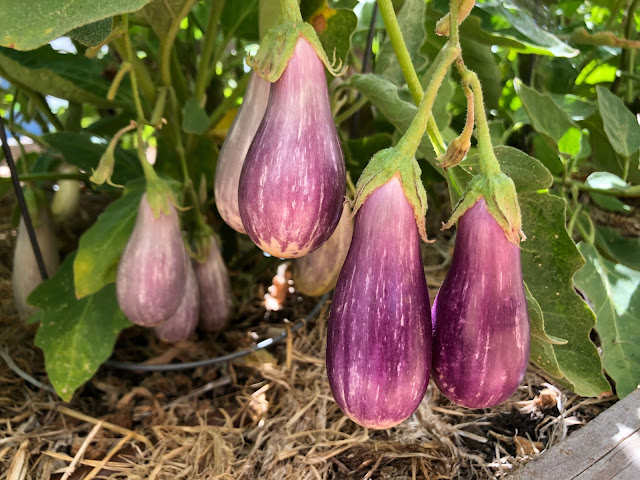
{"x": 480, "y": 319}
{"x": 379, "y": 333}
{"x": 292, "y": 184}
{"x": 185, "y": 319}
{"x": 153, "y": 269}
{"x": 26, "y": 274}
{"x": 215, "y": 290}
{"x": 234, "y": 150}
{"x": 317, "y": 272}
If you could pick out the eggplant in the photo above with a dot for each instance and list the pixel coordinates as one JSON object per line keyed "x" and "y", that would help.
{"x": 379, "y": 332}
{"x": 234, "y": 150}
{"x": 215, "y": 290}
{"x": 185, "y": 319}
{"x": 152, "y": 272}
{"x": 26, "y": 274}
{"x": 480, "y": 318}
{"x": 317, "y": 272}
{"x": 292, "y": 183}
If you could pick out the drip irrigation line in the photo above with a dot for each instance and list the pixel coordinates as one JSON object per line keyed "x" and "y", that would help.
{"x": 141, "y": 367}
{"x": 21, "y": 202}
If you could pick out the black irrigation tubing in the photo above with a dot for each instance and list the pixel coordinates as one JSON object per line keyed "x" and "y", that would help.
{"x": 139, "y": 367}
{"x": 21, "y": 202}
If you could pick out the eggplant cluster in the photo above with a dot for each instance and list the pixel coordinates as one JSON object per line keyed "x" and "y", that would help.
{"x": 159, "y": 286}
{"x": 383, "y": 339}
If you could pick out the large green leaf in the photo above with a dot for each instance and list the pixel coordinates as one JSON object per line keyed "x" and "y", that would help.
{"x": 614, "y": 290}
{"x": 411, "y": 21}
{"x": 101, "y": 246}
{"x": 549, "y": 262}
{"x": 620, "y": 125}
{"x": 72, "y": 77}
{"x": 84, "y": 151}
{"x": 76, "y": 336}
{"x": 26, "y": 25}
{"x": 92, "y": 34}
{"x": 161, "y": 13}
{"x": 548, "y": 118}
{"x": 616, "y": 247}
{"x": 335, "y": 34}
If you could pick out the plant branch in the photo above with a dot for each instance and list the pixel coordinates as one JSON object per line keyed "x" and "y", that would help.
{"x": 408, "y": 70}
{"x": 210, "y": 38}
{"x": 633, "y": 192}
{"x": 166, "y": 44}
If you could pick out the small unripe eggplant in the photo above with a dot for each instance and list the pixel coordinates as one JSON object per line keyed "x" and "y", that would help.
{"x": 317, "y": 272}
{"x": 26, "y": 274}
{"x": 293, "y": 182}
{"x": 480, "y": 319}
{"x": 234, "y": 150}
{"x": 185, "y": 319}
{"x": 215, "y": 290}
{"x": 153, "y": 269}
{"x": 379, "y": 332}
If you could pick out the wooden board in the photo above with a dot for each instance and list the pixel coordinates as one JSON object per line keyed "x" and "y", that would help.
{"x": 606, "y": 448}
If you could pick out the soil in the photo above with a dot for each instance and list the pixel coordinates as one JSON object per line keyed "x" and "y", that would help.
{"x": 269, "y": 415}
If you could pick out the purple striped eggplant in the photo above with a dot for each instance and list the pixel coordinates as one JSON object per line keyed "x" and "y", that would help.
{"x": 292, "y": 183}
{"x": 153, "y": 269}
{"x": 480, "y": 318}
{"x": 215, "y": 290}
{"x": 26, "y": 274}
{"x": 317, "y": 272}
{"x": 185, "y": 319}
{"x": 379, "y": 333}
{"x": 234, "y": 150}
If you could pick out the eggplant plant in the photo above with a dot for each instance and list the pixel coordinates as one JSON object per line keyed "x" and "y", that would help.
{"x": 543, "y": 137}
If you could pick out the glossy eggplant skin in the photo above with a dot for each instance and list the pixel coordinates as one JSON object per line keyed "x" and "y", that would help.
{"x": 215, "y": 290}
{"x": 234, "y": 150}
{"x": 481, "y": 324}
{"x": 26, "y": 274}
{"x": 379, "y": 332}
{"x": 183, "y": 322}
{"x": 317, "y": 272}
{"x": 153, "y": 269}
{"x": 292, "y": 183}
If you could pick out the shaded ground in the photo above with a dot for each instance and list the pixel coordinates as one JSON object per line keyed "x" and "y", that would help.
{"x": 268, "y": 416}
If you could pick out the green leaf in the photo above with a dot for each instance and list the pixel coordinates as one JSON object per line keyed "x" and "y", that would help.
{"x": 241, "y": 19}
{"x": 548, "y": 118}
{"x": 607, "y": 181}
{"x": 84, "y": 151}
{"x": 614, "y": 291}
{"x": 479, "y": 58}
{"x": 610, "y": 203}
{"x": 411, "y": 21}
{"x": 92, "y": 34}
{"x": 620, "y": 125}
{"x": 76, "y": 336}
{"x": 525, "y": 30}
{"x": 549, "y": 262}
{"x": 161, "y": 13}
{"x": 616, "y": 247}
{"x": 26, "y": 26}
{"x": 194, "y": 117}
{"x": 336, "y": 34}
{"x": 72, "y": 77}
{"x": 101, "y": 246}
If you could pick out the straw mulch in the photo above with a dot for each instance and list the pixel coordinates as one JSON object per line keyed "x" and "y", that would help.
{"x": 267, "y": 416}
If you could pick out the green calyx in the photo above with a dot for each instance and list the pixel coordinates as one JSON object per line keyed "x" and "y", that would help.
{"x": 201, "y": 241}
{"x": 277, "y": 46}
{"x": 385, "y": 165}
{"x": 499, "y": 193}
{"x": 160, "y": 195}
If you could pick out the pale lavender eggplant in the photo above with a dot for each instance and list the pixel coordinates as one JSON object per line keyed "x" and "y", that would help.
{"x": 292, "y": 184}
{"x": 185, "y": 319}
{"x": 234, "y": 150}
{"x": 215, "y": 290}
{"x": 153, "y": 269}
{"x": 317, "y": 272}
{"x": 26, "y": 274}
{"x": 480, "y": 319}
{"x": 379, "y": 333}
